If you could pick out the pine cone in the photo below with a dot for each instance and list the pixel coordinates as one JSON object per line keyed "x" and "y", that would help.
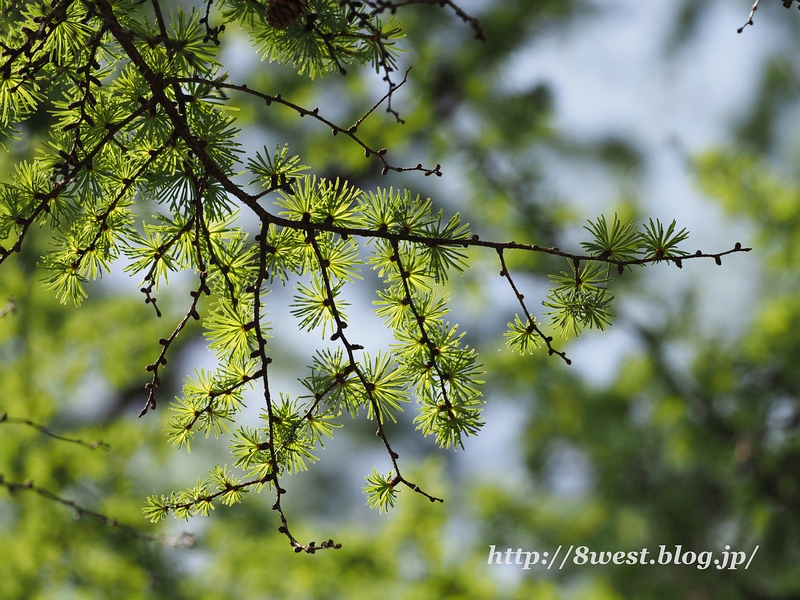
{"x": 283, "y": 13}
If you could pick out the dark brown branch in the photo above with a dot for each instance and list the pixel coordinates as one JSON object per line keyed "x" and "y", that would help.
{"x": 548, "y": 340}
{"x": 58, "y": 11}
{"x": 102, "y": 220}
{"x": 432, "y": 349}
{"x": 311, "y": 547}
{"x": 383, "y": 5}
{"x": 214, "y": 394}
{"x": 67, "y": 177}
{"x": 192, "y": 313}
{"x": 314, "y": 113}
{"x": 158, "y": 83}
{"x": 477, "y": 242}
{"x": 350, "y": 349}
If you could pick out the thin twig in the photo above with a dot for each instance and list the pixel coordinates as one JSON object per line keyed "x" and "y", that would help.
{"x": 382, "y": 5}
{"x": 192, "y": 313}
{"x": 4, "y": 418}
{"x": 9, "y": 307}
{"x": 531, "y": 321}
{"x": 187, "y": 539}
{"x": 354, "y": 127}
{"x": 750, "y": 18}
{"x": 367, "y": 386}
{"x": 314, "y": 113}
{"x": 425, "y": 339}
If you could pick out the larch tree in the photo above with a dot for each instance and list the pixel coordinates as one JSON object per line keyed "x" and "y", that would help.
{"x": 142, "y": 164}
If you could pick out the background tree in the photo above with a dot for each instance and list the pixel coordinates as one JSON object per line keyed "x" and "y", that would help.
{"x": 415, "y": 540}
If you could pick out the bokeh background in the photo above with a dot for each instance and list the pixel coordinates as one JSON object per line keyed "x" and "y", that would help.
{"x": 679, "y": 425}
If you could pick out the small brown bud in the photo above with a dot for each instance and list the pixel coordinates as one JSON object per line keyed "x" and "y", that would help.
{"x": 285, "y": 13}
